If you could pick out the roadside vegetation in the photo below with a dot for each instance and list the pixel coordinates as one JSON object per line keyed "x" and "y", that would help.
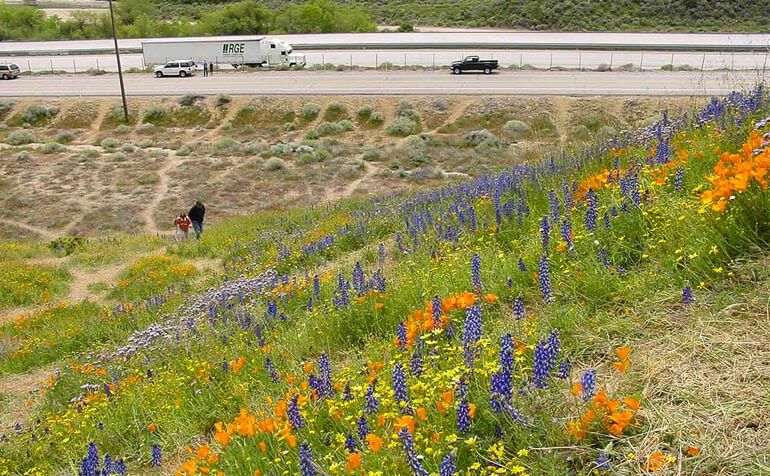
{"x": 564, "y": 315}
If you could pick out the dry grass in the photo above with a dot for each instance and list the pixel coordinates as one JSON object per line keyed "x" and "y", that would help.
{"x": 707, "y": 378}
{"x": 89, "y": 189}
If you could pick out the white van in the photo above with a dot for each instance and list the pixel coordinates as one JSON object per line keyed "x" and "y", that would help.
{"x": 179, "y": 68}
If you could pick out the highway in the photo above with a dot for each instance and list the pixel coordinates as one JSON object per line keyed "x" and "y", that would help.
{"x": 393, "y": 83}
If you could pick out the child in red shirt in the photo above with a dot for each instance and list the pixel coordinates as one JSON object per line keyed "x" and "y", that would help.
{"x": 183, "y": 225}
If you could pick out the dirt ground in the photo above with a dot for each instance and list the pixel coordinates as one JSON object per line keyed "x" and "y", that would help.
{"x": 79, "y": 171}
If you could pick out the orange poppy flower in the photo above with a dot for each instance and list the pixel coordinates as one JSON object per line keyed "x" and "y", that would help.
{"x": 622, "y": 352}
{"x": 375, "y": 442}
{"x": 308, "y": 367}
{"x": 472, "y": 410}
{"x": 406, "y": 421}
{"x": 422, "y": 414}
{"x": 441, "y": 407}
{"x": 447, "y": 397}
{"x": 353, "y": 462}
{"x": 381, "y": 421}
{"x": 202, "y": 451}
{"x": 152, "y": 427}
{"x": 632, "y": 403}
{"x": 490, "y": 298}
{"x": 692, "y": 451}
{"x": 656, "y": 460}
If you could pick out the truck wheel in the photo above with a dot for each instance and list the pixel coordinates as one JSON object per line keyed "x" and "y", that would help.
{"x": 158, "y": 74}
{"x": 5, "y": 76}
{"x": 182, "y": 74}
{"x": 456, "y": 71}
{"x": 487, "y": 70}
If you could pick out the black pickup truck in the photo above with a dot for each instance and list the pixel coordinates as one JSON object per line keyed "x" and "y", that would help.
{"x": 473, "y": 63}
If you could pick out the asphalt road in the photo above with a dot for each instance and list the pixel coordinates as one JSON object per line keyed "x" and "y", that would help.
{"x": 525, "y": 40}
{"x": 394, "y": 83}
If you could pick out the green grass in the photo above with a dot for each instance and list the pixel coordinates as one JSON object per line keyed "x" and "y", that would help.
{"x": 23, "y": 284}
{"x": 152, "y": 275}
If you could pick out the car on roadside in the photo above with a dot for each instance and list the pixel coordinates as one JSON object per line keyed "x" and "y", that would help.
{"x": 473, "y": 63}
{"x": 179, "y": 68}
{"x": 9, "y": 71}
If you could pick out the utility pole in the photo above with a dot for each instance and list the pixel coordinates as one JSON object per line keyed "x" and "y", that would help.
{"x": 117, "y": 55}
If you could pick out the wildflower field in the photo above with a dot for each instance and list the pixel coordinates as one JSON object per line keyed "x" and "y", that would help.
{"x": 602, "y": 311}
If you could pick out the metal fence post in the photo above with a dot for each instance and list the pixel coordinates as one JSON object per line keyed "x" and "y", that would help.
{"x": 51, "y": 66}
{"x": 404, "y": 60}
{"x": 580, "y": 60}
{"x": 351, "y": 61}
{"x": 323, "y": 63}
{"x": 74, "y": 68}
{"x": 550, "y": 67}
{"x": 611, "y": 58}
{"x": 97, "y": 64}
{"x": 521, "y": 60}
{"x": 703, "y": 62}
{"x": 641, "y": 62}
{"x": 732, "y": 61}
{"x": 434, "y": 61}
{"x": 29, "y": 67}
{"x": 764, "y": 66}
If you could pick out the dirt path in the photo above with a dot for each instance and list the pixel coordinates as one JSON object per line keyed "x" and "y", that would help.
{"x": 83, "y": 279}
{"x": 457, "y": 113}
{"x": 148, "y": 215}
{"x": 43, "y": 233}
{"x": 19, "y": 394}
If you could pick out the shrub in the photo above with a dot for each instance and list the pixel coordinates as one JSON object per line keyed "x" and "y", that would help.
{"x": 255, "y": 148}
{"x": 190, "y": 99}
{"x": 91, "y": 153}
{"x": 64, "y": 137}
{"x": 402, "y": 127}
{"x": 364, "y": 112}
{"x": 289, "y": 126}
{"x": 145, "y": 128}
{"x": 543, "y": 125}
{"x": 377, "y": 118}
{"x": 109, "y": 143}
{"x": 222, "y": 99}
{"x": 118, "y": 156}
{"x": 606, "y": 132}
{"x": 333, "y": 128}
{"x": 144, "y": 143}
{"x": 226, "y": 146}
{"x": 6, "y": 106}
{"x": 477, "y": 138}
{"x": 309, "y": 111}
{"x": 275, "y": 164}
{"x": 580, "y": 132}
{"x": 603, "y": 68}
{"x": 22, "y": 155}
{"x": 20, "y": 138}
{"x": 185, "y": 150}
{"x": 406, "y": 109}
{"x": 38, "y": 114}
{"x": 123, "y": 129}
{"x": 372, "y": 155}
{"x": 516, "y": 129}
{"x": 154, "y": 115}
{"x": 127, "y": 147}
{"x": 52, "y": 148}
{"x": 335, "y": 112}
{"x": 281, "y": 149}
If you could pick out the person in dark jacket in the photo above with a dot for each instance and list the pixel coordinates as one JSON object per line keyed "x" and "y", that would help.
{"x": 196, "y": 216}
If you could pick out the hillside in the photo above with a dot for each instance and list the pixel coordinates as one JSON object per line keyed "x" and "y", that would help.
{"x": 601, "y": 310}
{"x": 91, "y": 174}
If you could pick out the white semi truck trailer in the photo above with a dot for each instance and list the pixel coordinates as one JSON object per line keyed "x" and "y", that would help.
{"x": 237, "y": 51}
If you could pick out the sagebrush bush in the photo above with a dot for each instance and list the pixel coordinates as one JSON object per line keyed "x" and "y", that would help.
{"x": 190, "y": 99}
{"x": 373, "y": 155}
{"x": 222, "y": 100}
{"x": 51, "y": 148}
{"x": 64, "y": 137}
{"x": 109, "y": 143}
{"x": 281, "y": 149}
{"x": 144, "y": 143}
{"x": 37, "y": 114}
{"x": 335, "y": 112}
{"x": 23, "y": 155}
{"x": 275, "y": 163}
{"x": 580, "y": 133}
{"x": 377, "y": 118}
{"x": 309, "y": 111}
{"x": 123, "y": 129}
{"x": 364, "y": 112}
{"x": 128, "y": 147}
{"x": 226, "y": 146}
{"x": 185, "y": 150}
{"x": 154, "y": 115}
{"x": 6, "y": 106}
{"x": 145, "y": 128}
{"x": 403, "y": 126}
{"x": 516, "y": 129}
{"x": 20, "y": 138}
{"x": 477, "y": 138}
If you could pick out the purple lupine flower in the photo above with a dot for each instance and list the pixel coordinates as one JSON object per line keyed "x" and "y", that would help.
{"x": 306, "y": 466}
{"x": 606, "y": 220}
{"x": 500, "y": 389}
{"x": 309, "y": 305}
{"x": 679, "y": 178}
{"x": 522, "y": 266}
{"x": 603, "y": 258}
{"x": 591, "y": 212}
{"x": 553, "y": 204}
{"x": 109, "y": 466}
{"x": 603, "y": 461}
{"x": 350, "y": 443}
{"x": 347, "y": 395}
{"x": 463, "y": 416}
{"x": 545, "y": 280}
{"x": 566, "y": 234}
{"x": 411, "y": 454}
{"x": 316, "y": 287}
{"x": 416, "y": 362}
{"x": 545, "y": 233}
{"x": 542, "y": 364}
{"x": 272, "y": 309}
{"x": 294, "y": 415}
{"x": 372, "y": 404}
{"x": 400, "y": 389}
{"x": 554, "y": 345}
{"x": 472, "y": 218}
{"x": 436, "y": 312}
{"x": 461, "y": 388}
{"x": 687, "y": 297}
{"x": 448, "y": 467}
{"x": 359, "y": 281}
{"x": 315, "y": 384}
{"x": 157, "y": 456}
{"x": 325, "y": 369}
{"x": 362, "y": 426}
{"x": 378, "y": 282}
{"x": 270, "y": 368}
{"x": 381, "y": 253}
{"x": 476, "y": 273}
{"x": 518, "y": 308}
{"x": 588, "y": 382}
{"x": 401, "y": 335}
{"x": 472, "y": 331}
{"x": 567, "y": 194}
{"x": 507, "y": 347}
{"x": 107, "y": 390}
{"x": 120, "y": 467}
{"x": 509, "y": 282}
{"x": 564, "y": 369}
{"x": 90, "y": 464}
